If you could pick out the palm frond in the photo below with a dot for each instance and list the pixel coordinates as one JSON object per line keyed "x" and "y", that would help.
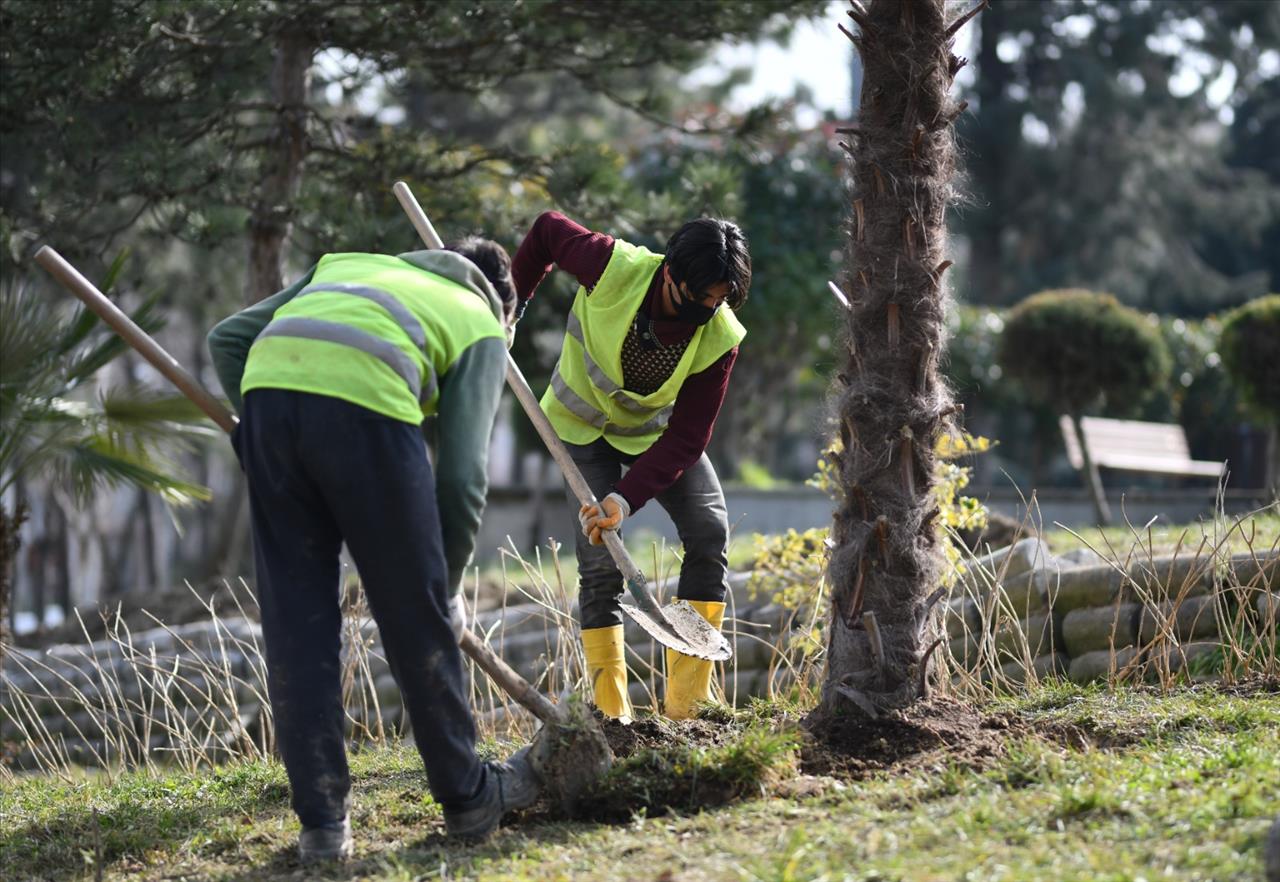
{"x": 78, "y": 330}
{"x": 84, "y": 365}
{"x": 29, "y": 331}
{"x": 96, "y": 462}
{"x": 119, "y": 438}
{"x": 145, "y": 416}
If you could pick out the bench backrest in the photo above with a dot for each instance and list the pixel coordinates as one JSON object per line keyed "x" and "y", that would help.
{"x": 1135, "y": 446}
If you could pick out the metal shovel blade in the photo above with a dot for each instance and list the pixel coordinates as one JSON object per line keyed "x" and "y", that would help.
{"x": 679, "y": 627}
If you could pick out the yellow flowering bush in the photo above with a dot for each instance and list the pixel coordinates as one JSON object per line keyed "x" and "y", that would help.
{"x": 790, "y": 568}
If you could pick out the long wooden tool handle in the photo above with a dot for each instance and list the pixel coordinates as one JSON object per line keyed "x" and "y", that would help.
{"x": 417, "y": 216}
{"x": 636, "y": 582}
{"x": 139, "y": 339}
{"x": 511, "y": 682}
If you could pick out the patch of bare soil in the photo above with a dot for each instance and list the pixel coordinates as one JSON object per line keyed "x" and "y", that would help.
{"x": 902, "y": 741}
{"x": 659, "y": 733}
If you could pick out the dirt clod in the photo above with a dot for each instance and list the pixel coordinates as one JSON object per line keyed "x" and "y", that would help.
{"x": 570, "y": 759}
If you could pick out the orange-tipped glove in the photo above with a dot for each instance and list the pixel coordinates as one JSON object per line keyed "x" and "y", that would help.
{"x": 607, "y": 515}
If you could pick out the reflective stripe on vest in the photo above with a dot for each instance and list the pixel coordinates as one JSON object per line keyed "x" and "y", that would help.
{"x": 583, "y": 410}
{"x": 385, "y": 299}
{"x": 370, "y": 344}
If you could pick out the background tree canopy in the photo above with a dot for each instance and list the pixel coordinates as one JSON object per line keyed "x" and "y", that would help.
{"x": 1118, "y": 145}
{"x": 1123, "y": 147}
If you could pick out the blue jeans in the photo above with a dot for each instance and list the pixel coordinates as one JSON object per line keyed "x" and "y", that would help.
{"x": 696, "y": 505}
{"x": 322, "y": 471}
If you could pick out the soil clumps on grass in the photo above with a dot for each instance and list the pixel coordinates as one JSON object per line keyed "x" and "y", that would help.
{"x": 658, "y": 733}
{"x": 664, "y": 765}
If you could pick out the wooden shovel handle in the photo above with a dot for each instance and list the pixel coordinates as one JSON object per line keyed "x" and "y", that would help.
{"x": 139, "y": 339}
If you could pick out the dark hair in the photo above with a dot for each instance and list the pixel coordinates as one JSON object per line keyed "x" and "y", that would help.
{"x": 707, "y": 251}
{"x": 493, "y": 261}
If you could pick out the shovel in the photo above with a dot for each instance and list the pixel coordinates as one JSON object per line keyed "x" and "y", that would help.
{"x": 678, "y": 626}
{"x": 570, "y": 751}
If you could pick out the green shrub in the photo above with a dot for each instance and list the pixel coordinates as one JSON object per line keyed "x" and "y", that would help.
{"x": 1250, "y": 348}
{"x": 1080, "y": 350}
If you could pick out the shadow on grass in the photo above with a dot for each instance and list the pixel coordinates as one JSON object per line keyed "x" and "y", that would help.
{"x": 426, "y": 855}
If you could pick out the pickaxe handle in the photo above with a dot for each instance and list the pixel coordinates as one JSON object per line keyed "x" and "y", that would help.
{"x": 503, "y": 674}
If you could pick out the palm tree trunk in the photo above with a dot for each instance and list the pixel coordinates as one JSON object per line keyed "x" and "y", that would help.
{"x": 892, "y": 403}
{"x": 1271, "y": 471}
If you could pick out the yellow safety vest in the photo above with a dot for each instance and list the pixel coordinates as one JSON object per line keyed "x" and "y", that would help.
{"x": 585, "y": 400}
{"x": 373, "y": 330}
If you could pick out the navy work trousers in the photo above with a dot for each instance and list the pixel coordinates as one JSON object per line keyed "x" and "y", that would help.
{"x": 322, "y": 471}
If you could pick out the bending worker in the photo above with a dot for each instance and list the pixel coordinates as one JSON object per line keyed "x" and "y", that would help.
{"x": 646, "y": 361}
{"x": 337, "y": 373}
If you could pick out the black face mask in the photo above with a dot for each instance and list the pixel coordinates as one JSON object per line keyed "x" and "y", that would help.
{"x": 692, "y": 312}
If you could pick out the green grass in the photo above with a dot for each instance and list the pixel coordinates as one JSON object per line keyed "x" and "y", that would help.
{"x": 1185, "y": 791}
{"x": 1259, "y": 533}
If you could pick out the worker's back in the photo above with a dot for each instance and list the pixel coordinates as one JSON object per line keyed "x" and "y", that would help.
{"x": 371, "y": 329}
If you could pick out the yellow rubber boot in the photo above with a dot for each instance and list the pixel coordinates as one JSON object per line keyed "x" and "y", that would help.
{"x": 689, "y": 678}
{"x": 607, "y": 667}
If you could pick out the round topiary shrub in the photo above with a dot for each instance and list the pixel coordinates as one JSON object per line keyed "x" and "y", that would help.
{"x": 1077, "y": 350}
{"x": 1250, "y": 350}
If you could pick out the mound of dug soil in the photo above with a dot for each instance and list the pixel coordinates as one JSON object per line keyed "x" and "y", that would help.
{"x": 663, "y": 765}
{"x": 907, "y": 739}
{"x": 659, "y": 733}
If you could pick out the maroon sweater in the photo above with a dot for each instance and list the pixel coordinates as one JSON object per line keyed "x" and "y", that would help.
{"x": 556, "y": 240}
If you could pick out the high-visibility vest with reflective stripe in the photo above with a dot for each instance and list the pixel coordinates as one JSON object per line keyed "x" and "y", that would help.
{"x": 585, "y": 400}
{"x": 373, "y": 330}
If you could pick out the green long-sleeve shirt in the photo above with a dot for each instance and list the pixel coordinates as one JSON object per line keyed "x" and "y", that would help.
{"x": 469, "y": 395}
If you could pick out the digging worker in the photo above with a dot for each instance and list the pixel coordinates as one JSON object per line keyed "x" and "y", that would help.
{"x": 337, "y": 373}
{"x": 642, "y": 375}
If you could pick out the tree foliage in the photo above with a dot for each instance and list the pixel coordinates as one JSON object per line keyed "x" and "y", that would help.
{"x": 54, "y": 421}
{"x": 1098, "y": 156}
{"x": 200, "y": 118}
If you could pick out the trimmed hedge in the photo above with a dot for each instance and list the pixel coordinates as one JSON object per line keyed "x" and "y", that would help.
{"x": 1250, "y": 348}
{"x": 1080, "y": 350}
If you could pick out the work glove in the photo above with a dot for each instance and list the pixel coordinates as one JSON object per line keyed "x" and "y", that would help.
{"x": 457, "y": 617}
{"x": 606, "y": 515}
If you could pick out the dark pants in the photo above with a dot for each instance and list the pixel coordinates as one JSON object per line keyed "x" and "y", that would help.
{"x": 695, "y": 503}
{"x": 321, "y": 472}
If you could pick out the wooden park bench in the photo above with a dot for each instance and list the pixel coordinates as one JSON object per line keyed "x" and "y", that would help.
{"x": 1133, "y": 446}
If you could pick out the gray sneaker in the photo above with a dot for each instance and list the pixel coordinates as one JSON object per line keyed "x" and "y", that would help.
{"x": 510, "y": 786}
{"x": 331, "y": 842}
